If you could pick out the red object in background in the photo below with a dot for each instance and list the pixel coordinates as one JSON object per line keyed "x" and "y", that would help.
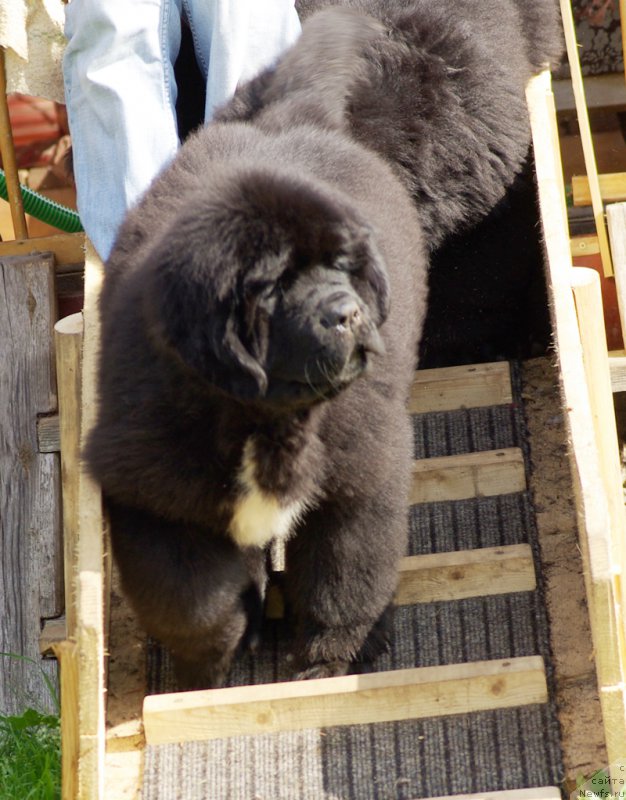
{"x": 612, "y": 323}
{"x": 37, "y": 124}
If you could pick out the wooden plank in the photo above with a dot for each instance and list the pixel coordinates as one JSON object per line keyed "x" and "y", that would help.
{"x": 617, "y": 366}
{"x": 69, "y": 661}
{"x": 470, "y": 386}
{"x": 612, "y": 188}
{"x": 616, "y": 221}
{"x": 68, "y": 337}
{"x": 539, "y": 793}
{"x": 467, "y": 573}
{"x": 483, "y": 474}
{"x": 601, "y": 91}
{"x": 48, "y": 434}
{"x": 591, "y": 502}
{"x": 350, "y": 700}
{"x": 454, "y": 575}
{"x": 68, "y": 249}
{"x": 30, "y": 527}
{"x": 88, "y": 568}
{"x": 586, "y": 139}
{"x": 588, "y": 303}
{"x": 54, "y": 632}
{"x": 584, "y": 246}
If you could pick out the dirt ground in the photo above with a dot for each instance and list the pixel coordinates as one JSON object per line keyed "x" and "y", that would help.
{"x": 573, "y": 665}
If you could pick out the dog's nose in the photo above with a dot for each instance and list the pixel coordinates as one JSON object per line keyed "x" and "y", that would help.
{"x": 342, "y": 312}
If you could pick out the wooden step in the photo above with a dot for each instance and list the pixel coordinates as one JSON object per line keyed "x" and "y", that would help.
{"x": 539, "y": 793}
{"x": 456, "y": 575}
{"x": 483, "y": 474}
{"x": 466, "y": 573}
{"x": 469, "y": 386}
{"x": 349, "y": 700}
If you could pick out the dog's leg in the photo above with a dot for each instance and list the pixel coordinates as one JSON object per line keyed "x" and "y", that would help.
{"x": 340, "y": 580}
{"x": 194, "y": 591}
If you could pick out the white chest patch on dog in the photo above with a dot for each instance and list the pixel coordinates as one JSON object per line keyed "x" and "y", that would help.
{"x": 260, "y": 517}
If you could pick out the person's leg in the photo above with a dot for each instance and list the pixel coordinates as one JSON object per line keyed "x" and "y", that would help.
{"x": 236, "y": 39}
{"x": 120, "y": 92}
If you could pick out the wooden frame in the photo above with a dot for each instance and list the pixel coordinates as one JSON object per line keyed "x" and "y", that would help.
{"x": 584, "y": 369}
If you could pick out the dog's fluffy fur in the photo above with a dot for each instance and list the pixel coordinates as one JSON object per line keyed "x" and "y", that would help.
{"x": 261, "y": 313}
{"x": 441, "y": 98}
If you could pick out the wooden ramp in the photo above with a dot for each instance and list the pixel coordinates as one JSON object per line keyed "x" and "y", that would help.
{"x": 104, "y": 748}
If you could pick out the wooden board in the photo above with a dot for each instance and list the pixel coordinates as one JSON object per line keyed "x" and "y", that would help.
{"x": 350, "y": 700}
{"x": 616, "y": 222}
{"x": 470, "y": 386}
{"x": 592, "y": 505}
{"x": 68, "y": 248}
{"x": 601, "y": 91}
{"x": 539, "y": 793}
{"x": 487, "y": 473}
{"x": 31, "y": 588}
{"x": 83, "y": 674}
{"x": 455, "y": 575}
{"x": 612, "y": 188}
{"x": 466, "y": 573}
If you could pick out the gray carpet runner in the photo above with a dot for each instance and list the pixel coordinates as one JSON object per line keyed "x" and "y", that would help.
{"x": 479, "y": 752}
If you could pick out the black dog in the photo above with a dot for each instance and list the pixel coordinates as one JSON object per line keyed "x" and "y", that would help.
{"x": 443, "y": 102}
{"x": 262, "y": 309}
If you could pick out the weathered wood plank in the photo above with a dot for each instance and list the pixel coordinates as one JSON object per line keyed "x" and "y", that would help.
{"x": 48, "y": 434}
{"x": 30, "y": 563}
{"x": 470, "y": 386}
{"x": 68, "y": 248}
{"x": 350, "y": 700}
{"x": 483, "y": 474}
{"x": 54, "y": 632}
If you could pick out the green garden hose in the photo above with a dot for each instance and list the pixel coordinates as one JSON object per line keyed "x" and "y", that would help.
{"x": 44, "y": 209}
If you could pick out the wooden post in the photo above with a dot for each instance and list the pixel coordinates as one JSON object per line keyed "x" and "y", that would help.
{"x": 30, "y": 561}
{"x": 68, "y": 335}
{"x": 616, "y": 219}
{"x": 8, "y": 159}
{"x": 68, "y": 660}
{"x": 585, "y": 134}
{"x": 89, "y": 565}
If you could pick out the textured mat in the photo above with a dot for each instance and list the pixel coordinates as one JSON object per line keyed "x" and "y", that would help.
{"x": 485, "y": 751}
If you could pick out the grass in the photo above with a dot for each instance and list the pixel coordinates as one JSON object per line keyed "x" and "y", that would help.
{"x": 30, "y": 751}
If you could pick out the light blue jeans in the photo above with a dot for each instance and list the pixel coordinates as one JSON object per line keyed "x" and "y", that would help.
{"x": 121, "y": 92}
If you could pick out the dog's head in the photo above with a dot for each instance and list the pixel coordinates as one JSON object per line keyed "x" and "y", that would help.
{"x": 269, "y": 287}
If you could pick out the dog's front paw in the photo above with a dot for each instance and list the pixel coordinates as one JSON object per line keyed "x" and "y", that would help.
{"x": 329, "y": 669}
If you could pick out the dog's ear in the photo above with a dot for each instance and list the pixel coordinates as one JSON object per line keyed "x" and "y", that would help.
{"x": 195, "y": 304}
